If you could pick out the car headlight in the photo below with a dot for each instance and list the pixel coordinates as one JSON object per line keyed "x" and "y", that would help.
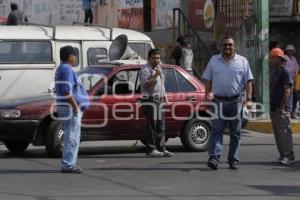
{"x": 9, "y": 113}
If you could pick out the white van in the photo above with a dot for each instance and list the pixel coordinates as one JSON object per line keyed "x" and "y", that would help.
{"x": 29, "y": 54}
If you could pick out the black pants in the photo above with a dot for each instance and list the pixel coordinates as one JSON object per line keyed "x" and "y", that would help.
{"x": 155, "y": 131}
{"x": 88, "y": 16}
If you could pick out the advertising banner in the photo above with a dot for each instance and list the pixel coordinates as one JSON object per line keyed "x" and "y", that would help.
{"x": 130, "y": 14}
{"x": 281, "y": 7}
{"x": 202, "y": 14}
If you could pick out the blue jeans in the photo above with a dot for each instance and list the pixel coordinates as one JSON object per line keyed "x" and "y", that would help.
{"x": 71, "y": 138}
{"x": 227, "y": 112}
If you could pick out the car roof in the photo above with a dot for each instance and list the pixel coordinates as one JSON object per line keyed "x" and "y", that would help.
{"x": 26, "y": 32}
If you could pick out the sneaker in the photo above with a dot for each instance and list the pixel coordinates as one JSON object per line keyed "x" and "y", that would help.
{"x": 287, "y": 161}
{"x": 75, "y": 169}
{"x": 155, "y": 153}
{"x": 167, "y": 153}
{"x": 277, "y": 160}
{"x": 233, "y": 165}
{"x": 213, "y": 164}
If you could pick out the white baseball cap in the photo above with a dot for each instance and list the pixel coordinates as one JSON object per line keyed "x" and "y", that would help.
{"x": 290, "y": 47}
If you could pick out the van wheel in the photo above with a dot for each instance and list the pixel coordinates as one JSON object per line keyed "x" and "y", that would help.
{"x": 196, "y": 135}
{"x": 16, "y": 146}
{"x": 54, "y": 139}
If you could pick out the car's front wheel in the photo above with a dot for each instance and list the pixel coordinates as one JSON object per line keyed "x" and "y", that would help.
{"x": 195, "y": 136}
{"x": 54, "y": 139}
{"x": 16, "y": 146}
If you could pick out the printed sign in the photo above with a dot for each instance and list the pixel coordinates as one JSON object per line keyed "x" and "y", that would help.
{"x": 209, "y": 14}
{"x": 202, "y": 14}
{"x": 281, "y": 7}
{"x": 130, "y": 14}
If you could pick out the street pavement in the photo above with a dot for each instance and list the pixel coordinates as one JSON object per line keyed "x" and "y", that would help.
{"x": 119, "y": 170}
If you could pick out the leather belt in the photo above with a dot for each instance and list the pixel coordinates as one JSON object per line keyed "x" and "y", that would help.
{"x": 225, "y": 98}
{"x": 155, "y": 97}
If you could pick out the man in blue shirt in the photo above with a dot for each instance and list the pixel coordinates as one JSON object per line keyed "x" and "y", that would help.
{"x": 88, "y": 13}
{"x": 72, "y": 100}
{"x": 227, "y": 75}
{"x": 281, "y": 84}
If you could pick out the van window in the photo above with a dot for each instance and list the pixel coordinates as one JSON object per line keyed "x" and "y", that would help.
{"x": 141, "y": 49}
{"x": 25, "y": 52}
{"x": 96, "y": 54}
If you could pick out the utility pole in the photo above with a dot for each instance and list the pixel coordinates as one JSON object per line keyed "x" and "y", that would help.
{"x": 262, "y": 54}
{"x": 147, "y": 16}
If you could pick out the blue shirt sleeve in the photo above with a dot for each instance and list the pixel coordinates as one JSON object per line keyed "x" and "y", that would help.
{"x": 248, "y": 74}
{"x": 68, "y": 81}
{"x": 208, "y": 70}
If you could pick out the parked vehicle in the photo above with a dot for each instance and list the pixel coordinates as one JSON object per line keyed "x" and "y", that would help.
{"x": 29, "y": 54}
{"x": 115, "y": 112}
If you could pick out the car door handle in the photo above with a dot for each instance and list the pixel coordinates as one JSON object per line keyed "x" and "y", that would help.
{"x": 190, "y": 98}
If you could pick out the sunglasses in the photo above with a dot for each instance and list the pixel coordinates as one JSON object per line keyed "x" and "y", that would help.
{"x": 227, "y": 44}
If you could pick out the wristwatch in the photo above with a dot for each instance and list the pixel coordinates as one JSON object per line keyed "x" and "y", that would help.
{"x": 248, "y": 98}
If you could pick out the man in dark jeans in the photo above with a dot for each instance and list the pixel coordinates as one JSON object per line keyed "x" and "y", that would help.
{"x": 153, "y": 91}
{"x": 88, "y": 13}
{"x": 227, "y": 75}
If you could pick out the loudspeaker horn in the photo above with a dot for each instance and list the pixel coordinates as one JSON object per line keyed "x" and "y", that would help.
{"x": 119, "y": 49}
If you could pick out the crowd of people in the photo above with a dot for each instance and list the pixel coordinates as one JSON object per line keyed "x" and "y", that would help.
{"x": 228, "y": 83}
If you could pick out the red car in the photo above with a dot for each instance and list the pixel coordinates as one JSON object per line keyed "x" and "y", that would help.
{"x": 115, "y": 112}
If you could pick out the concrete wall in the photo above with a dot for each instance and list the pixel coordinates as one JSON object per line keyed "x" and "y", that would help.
{"x": 107, "y": 15}
{"x": 54, "y": 12}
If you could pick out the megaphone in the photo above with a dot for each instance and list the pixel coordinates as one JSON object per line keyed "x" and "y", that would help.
{"x": 119, "y": 49}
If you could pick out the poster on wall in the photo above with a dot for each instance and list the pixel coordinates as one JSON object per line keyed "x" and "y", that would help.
{"x": 54, "y": 12}
{"x": 202, "y": 14}
{"x": 164, "y": 10}
{"x": 281, "y": 7}
{"x": 130, "y": 14}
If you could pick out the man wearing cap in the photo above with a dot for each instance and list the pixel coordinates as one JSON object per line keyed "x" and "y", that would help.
{"x": 293, "y": 67}
{"x": 88, "y": 13}
{"x": 281, "y": 83}
{"x": 227, "y": 76}
{"x": 72, "y": 100}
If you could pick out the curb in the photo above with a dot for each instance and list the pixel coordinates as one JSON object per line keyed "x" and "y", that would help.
{"x": 265, "y": 126}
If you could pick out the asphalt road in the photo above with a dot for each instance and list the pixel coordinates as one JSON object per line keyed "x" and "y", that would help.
{"x": 119, "y": 170}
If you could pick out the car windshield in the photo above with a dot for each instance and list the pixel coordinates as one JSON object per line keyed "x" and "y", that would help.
{"x": 90, "y": 76}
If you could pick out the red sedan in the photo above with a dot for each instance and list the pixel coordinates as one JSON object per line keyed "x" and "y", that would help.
{"x": 115, "y": 112}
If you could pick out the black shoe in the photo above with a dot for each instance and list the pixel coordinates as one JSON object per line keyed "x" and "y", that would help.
{"x": 74, "y": 169}
{"x": 233, "y": 165}
{"x": 213, "y": 164}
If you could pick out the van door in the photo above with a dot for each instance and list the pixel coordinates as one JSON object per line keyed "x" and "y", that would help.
{"x": 76, "y": 45}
